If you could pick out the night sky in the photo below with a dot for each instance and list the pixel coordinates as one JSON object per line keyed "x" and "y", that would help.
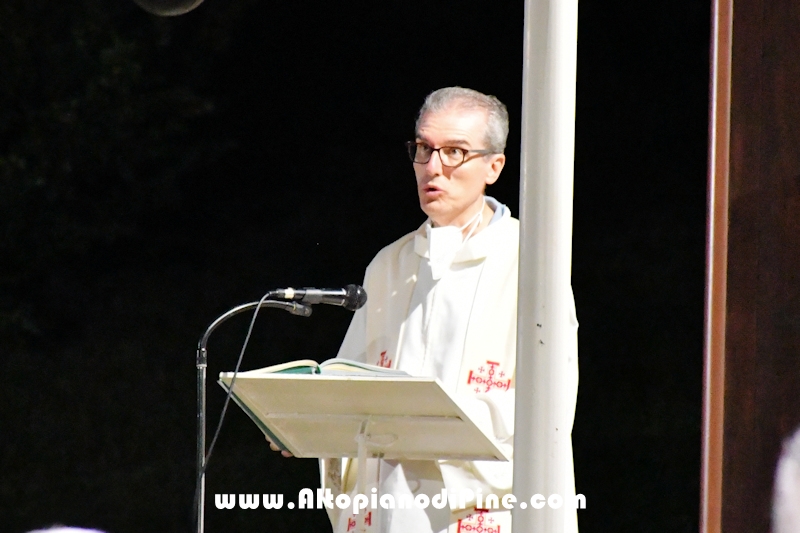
{"x": 157, "y": 172}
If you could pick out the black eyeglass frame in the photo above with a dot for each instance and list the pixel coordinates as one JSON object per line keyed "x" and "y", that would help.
{"x": 412, "y": 150}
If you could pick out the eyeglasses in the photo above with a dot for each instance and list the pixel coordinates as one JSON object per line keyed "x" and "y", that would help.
{"x": 451, "y": 156}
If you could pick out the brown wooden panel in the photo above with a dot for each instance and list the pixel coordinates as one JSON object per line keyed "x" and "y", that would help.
{"x": 760, "y": 352}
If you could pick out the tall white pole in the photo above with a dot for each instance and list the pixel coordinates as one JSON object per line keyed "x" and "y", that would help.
{"x": 546, "y": 377}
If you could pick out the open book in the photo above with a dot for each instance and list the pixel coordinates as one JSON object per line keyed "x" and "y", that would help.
{"x": 331, "y": 367}
{"x": 319, "y": 410}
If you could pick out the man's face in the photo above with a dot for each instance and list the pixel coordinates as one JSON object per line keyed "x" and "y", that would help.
{"x": 450, "y": 196}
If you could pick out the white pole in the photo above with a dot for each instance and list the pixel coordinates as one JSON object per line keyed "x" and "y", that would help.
{"x": 546, "y": 377}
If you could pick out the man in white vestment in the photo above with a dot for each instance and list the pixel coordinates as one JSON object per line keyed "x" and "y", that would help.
{"x": 786, "y": 495}
{"x": 443, "y": 302}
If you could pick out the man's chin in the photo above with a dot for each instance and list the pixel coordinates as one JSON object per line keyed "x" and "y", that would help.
{"x": 429, "y": 208}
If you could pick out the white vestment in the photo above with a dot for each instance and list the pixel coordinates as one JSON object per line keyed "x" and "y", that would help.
{"x": 462, "y": 329}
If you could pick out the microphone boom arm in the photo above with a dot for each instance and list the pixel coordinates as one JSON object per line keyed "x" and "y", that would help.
{"x": 202, "y": 366}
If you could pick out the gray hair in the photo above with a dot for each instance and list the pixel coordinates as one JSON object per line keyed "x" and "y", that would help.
{"x": 786, "y": 499}
{"x": 459, "y": 97}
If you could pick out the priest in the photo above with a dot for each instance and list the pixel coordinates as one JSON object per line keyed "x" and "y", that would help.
{"x": 443, "y": 302}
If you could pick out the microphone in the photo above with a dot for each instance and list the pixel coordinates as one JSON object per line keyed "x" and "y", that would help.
{"x": 351, "y": 297}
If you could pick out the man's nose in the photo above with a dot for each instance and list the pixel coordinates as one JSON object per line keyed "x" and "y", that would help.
{"x": 434, "y": 164}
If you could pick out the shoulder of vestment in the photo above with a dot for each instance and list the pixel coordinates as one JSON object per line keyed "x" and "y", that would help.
{"x": 391, "y": 253}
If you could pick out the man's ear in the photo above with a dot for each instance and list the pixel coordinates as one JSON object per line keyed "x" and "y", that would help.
{"x": 497, "y": 164}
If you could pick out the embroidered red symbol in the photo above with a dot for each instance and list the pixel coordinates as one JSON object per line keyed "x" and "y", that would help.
{"x": 351, "y": 522}
{"x": 487, "y": 379}
{"x": 478, "y": 522}
{"x": 384, "y": 362}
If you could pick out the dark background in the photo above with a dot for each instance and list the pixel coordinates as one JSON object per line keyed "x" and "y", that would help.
{"x": 156, "y": 172}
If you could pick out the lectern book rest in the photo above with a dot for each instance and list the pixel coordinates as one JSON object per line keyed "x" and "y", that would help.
{"x": 327, "y": 409}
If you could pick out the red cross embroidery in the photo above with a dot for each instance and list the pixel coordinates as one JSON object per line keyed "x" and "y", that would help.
{"x": 477, "y": 522}
{"x": 487, "y": 379}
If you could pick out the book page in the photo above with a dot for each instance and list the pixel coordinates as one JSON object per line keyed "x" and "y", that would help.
{"x": 301, "y": 366}
{"x": 347, "y": 367}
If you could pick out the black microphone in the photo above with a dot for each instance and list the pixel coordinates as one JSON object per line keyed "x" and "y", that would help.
{"x": 351, "y": 297}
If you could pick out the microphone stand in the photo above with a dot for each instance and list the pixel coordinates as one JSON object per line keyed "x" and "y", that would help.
{"x": 202, "y": 365}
